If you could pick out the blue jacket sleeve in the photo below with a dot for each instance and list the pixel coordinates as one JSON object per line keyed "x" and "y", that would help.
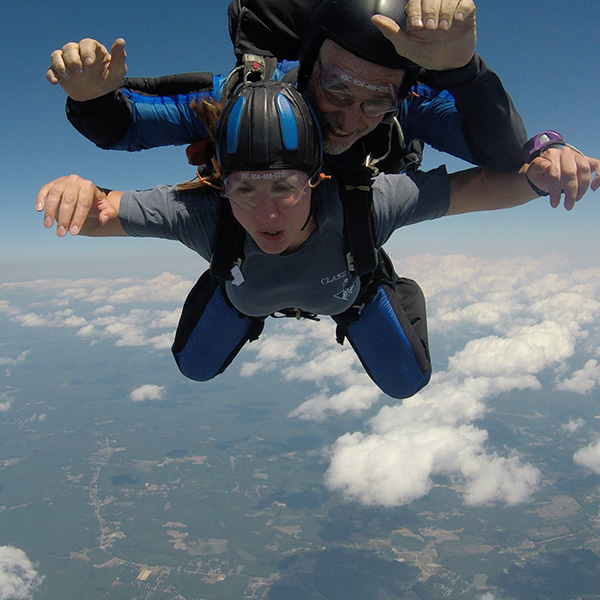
{"x": 145, "y": 113}
{"x": 151, "y": 112}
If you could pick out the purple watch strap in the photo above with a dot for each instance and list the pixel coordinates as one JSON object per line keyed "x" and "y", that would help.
{"x": 538, "y": 143}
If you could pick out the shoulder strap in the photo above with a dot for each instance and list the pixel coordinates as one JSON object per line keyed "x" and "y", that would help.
{"x": 356, "y": 194}
{"x": 228, "y": 248}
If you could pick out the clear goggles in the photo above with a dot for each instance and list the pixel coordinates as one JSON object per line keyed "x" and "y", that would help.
{"x": 335, "y": 87}
{"x": 283, "y": 187}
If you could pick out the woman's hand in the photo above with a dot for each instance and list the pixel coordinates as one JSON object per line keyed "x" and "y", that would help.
{"x": 564, "y": 170}
{"x": 75, "y": 203}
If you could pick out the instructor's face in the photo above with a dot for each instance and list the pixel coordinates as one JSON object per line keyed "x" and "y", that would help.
{"x": 350, "y": 95}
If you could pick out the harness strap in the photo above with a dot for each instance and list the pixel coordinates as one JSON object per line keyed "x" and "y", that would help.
{"x": 388, "y": 151}
{"x": 295, "y": 313}
{"x": 369, "y": 285}
{"x": 357, "y": 198}
{"x": 228, "y": 247}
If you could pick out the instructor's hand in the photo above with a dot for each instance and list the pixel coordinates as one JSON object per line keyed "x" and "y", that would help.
{"x": 440, "y": 34}
{"x": 87, "y": 70}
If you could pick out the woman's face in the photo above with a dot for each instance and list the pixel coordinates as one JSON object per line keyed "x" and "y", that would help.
{"x": 272, "y": 206}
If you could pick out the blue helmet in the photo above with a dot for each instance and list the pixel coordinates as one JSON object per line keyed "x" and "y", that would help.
{"x": 268, "y": 125}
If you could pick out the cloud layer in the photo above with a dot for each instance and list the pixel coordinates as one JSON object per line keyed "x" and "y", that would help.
{"x": 509, "y": 325}
{"x": 522, "y": 325}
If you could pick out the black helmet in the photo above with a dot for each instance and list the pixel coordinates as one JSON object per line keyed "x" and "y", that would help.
{"x": 268, "y": 125}
{"x": 348, "y": 23}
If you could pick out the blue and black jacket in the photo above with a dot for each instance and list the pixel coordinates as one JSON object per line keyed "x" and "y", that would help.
{"x": 464, "y": 112}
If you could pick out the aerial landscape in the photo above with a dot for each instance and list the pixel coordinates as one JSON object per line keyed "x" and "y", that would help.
{"x": 121, "y": 479}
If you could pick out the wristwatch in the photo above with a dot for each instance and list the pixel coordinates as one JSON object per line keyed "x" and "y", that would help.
{"x": 540, "y": 142}
{"x": 536, "y": 145}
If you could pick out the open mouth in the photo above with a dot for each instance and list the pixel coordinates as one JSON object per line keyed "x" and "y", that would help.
{"x": 271, "y": 236}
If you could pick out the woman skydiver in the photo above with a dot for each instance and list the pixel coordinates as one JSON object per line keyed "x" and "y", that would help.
{"x": 293, "y": 254}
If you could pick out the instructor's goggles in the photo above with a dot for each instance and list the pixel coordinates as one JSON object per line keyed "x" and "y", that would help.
{"x": 283, "y": 187}
{"x": 334, "y": 84}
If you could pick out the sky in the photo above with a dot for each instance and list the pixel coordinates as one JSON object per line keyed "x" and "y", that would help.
{"x": 516, "y": 291}
{"x": 544, "y": 53}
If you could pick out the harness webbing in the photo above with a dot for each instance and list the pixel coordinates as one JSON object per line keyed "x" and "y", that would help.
{"x": 356, "y": 194}
{"x": 228, "y": 246}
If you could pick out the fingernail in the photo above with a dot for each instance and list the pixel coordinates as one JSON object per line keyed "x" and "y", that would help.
{"x": 444, "y": 24}
{"x": 430, "y": 23}
{"x": 88, "y": 61}
{"x": 460, "y": 16}
{"x": 48, "y": 222}
{"x": 74, "y": 230}
{"x": 61, "y": 231}
{"x": 417, "y": 22}
{"x": 79, "y": 73}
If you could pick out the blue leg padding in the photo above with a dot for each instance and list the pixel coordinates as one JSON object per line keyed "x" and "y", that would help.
{"x": 219, "y": 334}
{"x": 384, "y": 350}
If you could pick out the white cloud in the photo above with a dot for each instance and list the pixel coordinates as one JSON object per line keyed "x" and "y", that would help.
{"x": 337, "y": 363}
{"x": 147, "y": 392}
{"x": 36, "y": 418}
{"x": 583, "y": 381}
{"x": 109, "y": 320}
{"x": 523, "y": 351}
{"x": 18, "y": 577}
{"x": 573, "y": 425}
{"x": 104, "y": 310}
{"x": 589, "y": 457}
{"x": 13, "y": 362}
{"x": 291, "y": 342}
{"x": 163, "y": 288}
{"x": 356, "y": 399}
{"x": 427, "y": 435}
{"x": 6, "y": 400}
{"x": 6, "y": 308}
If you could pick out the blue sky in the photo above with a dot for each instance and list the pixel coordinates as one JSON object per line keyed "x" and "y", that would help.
{"x": 543, "y": 52}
